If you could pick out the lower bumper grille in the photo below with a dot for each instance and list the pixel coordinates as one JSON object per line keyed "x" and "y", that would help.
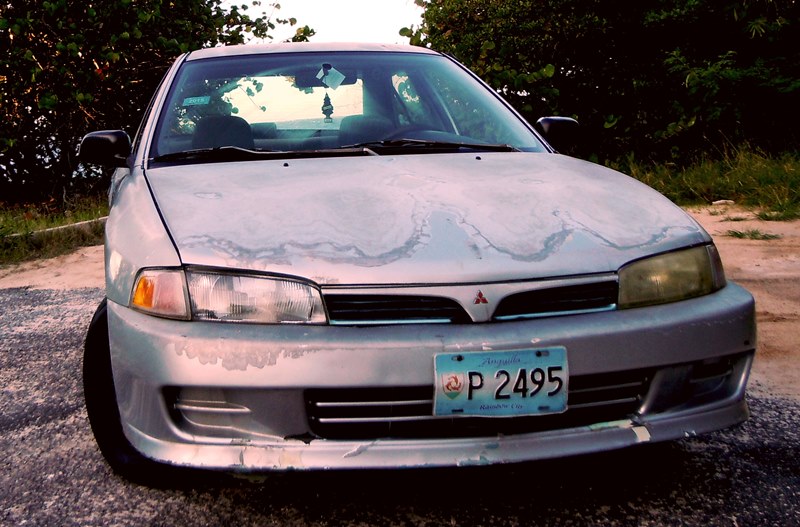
{"x": 408, "y": 412}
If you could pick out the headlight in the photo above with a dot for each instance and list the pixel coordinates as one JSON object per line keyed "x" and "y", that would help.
{"x": 671, "y": 277}
{"x": 161, "y": 292}
{"x": 266, "y": 300}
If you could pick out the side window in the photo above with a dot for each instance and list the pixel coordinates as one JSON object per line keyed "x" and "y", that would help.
{"x": 190, "y": 102}
{"x": 411, "y": 109}
{"x": 467, "y": 107}
{"x": 470, "y": 119}
{"x": 434, "y": 101}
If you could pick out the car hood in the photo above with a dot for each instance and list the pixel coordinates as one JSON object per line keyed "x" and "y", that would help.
{"x": 421, "y": 219}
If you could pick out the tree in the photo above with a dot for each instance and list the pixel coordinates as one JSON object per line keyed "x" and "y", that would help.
{"x": 665, "y": 80}
{"x": 68, "y": 67}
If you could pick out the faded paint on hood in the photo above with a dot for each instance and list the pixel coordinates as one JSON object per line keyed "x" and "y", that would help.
{"x": 436, "y": 218}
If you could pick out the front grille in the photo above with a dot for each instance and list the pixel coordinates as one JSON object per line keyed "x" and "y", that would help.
{"x": 386, "y": 309}
{"x": 559, "y": 300}
{"x": 365, "y": 309}
{"x": 363, "y": 413}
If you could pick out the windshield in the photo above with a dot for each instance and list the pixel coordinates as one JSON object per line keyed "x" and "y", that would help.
{"x": 289, "y": 102}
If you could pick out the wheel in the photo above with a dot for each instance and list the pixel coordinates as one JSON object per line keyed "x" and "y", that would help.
{"x": 102, "y": 409}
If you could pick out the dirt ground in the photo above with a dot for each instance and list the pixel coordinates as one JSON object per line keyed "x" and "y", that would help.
{"x": 769, "y": 269}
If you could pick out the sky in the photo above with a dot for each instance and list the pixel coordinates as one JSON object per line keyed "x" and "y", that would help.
{"x": 349, "y": 20}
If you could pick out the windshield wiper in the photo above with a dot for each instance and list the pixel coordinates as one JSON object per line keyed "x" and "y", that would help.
{"x": 434, "y": 145}
{"x": 235, "y": 153}
{"x": 222, "y": 153}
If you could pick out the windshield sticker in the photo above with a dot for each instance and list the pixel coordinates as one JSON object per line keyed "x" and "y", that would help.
{"x": 196, "y": 101}
{"x": 330, "y": 76}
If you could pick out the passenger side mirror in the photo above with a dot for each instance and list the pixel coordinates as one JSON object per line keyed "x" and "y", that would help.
{"x": 562, "y": 133}
{"x": 109, "y": 148}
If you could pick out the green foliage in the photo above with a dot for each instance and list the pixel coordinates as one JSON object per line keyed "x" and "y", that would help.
{"x": 750, "y": 178}
{"x": 34, "y": 231}
{"x": 69, "y": 67}
{"x": 779, "y": 215}
{"x": 31, "y": 217}
{"x": 752, "y": 234}
{"x": 665, "y": 80}
{"x": 30, "y": 246}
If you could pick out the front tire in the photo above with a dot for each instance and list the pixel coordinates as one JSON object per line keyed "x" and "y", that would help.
{"x": 101, "y": 406}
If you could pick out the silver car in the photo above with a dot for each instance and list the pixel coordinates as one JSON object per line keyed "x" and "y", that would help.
{"x": 359, "y": 256}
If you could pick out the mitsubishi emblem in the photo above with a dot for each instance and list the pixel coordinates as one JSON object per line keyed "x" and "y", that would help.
{"x": 480, "y": 299}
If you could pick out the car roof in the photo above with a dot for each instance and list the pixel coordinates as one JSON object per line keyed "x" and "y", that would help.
{"x": 302, "y": 47}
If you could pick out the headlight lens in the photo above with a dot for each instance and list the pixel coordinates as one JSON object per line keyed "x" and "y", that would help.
{"x": 161, "y": 292}
{"x": 671, "y": 277}
{"x": 256, "y": 299}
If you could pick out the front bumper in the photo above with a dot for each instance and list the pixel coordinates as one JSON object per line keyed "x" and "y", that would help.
{"x": 251, "y": 382}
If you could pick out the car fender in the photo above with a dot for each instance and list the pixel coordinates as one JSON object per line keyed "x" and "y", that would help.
{"x": 134, "y": 216}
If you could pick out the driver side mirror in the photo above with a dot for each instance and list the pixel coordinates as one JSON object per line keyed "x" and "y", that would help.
{"x": 109, "y": 148}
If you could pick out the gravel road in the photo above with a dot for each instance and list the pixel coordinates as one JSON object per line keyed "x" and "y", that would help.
{"x": 53, "y": 473}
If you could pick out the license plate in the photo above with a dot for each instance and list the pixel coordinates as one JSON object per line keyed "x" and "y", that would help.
{"x": 501, "y": 383}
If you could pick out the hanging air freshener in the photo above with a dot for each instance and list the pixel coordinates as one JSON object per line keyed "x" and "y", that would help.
{"x": 327, "y": 109}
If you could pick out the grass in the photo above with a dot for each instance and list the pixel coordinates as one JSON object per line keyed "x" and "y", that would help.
{"x": 24, "y": 235}
{"x": 777, "y": 215}
{"x": 747, "y": 177}
{"x": 752, "y": 234}
{"x": 36, "y": 217}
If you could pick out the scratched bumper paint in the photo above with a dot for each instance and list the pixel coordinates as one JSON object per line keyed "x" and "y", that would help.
{"x": 320, "y": 455}
{"x": 276, "y": 364}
